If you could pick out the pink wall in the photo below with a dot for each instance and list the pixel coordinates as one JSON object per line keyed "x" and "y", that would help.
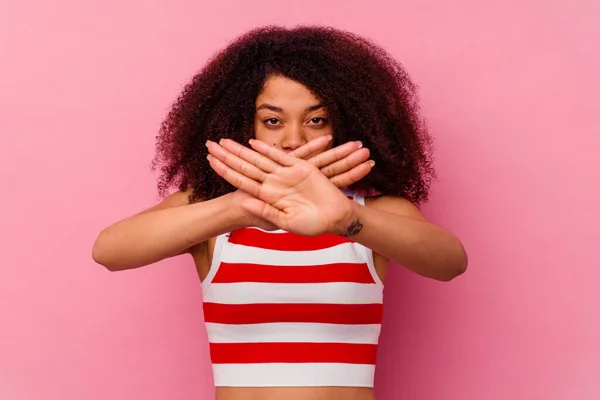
{"x": 511, "y": 93}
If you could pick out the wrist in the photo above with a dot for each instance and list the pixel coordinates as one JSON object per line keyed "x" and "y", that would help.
{"x": 231, "y": 211}
{"x": 350, "y": 224}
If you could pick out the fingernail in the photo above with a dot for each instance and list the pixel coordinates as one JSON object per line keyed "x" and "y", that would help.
{"x": 208, "y": 157}
{"x": 221, "y": 142}
{"x": 206, "y": 144}
{"x": 360, "y": 145}
{"x": 371, "y": 163}
{"x": 250, "y": 141}
{"x": 329, "y": 137}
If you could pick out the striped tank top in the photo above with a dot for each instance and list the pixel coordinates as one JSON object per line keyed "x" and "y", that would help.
{"x": 288, "y": 310}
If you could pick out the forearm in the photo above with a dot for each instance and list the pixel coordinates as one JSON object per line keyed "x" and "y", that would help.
{"x": 155, "y": 235}
{"x": 418, "y": 245}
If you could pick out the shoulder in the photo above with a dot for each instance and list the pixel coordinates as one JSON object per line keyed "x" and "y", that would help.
{"x": 394, "y": 205}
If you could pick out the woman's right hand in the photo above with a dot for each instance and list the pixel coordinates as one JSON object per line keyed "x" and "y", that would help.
{"x": 343, "y": 165}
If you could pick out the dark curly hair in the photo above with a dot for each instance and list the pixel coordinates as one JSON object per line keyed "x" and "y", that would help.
{"x": 368, "y": 95}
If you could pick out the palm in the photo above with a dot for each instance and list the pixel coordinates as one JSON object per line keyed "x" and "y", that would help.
{"x": 309, "y": 204}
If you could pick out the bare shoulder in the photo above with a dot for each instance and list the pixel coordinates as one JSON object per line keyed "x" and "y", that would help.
{"x": 395, "y": 205}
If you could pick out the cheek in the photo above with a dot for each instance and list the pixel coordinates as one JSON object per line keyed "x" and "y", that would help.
{"x": 263, "y": 134}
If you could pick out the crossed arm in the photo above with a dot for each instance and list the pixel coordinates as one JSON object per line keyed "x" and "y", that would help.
{"x": 298, "y": 192}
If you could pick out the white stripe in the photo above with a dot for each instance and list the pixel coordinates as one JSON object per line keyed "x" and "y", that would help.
{"x": 293, "y": 332}
{"x": 266, "y": 231}
{"x": 342, "y": 253}
{"x": 294, "y": 374}
{"x": 219, "y": 244}
{"x": 261, "y": 293}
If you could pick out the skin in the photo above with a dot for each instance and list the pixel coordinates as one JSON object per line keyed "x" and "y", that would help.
{"x": 289, "y": 178}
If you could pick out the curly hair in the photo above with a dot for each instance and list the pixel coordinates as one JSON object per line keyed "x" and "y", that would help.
{"x": 369, "y": 97}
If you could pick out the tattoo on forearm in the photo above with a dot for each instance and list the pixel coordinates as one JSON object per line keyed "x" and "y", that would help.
{"x": 353, "y": 229}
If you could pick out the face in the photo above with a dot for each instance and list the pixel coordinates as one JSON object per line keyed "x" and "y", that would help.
{"x": 288, "y": 115}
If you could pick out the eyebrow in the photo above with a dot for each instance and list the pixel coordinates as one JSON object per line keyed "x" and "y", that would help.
{"x": 266, "y": 106}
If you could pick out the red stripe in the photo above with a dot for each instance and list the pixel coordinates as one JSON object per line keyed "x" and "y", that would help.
{"x": 317, "y": 313}
{"x": 339, "y": 272}
{"x": 244, "y": 353}
{"x": 284, "y": 241}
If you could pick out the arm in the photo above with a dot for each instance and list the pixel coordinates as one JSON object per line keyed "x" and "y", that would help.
{"x": 168, "y": 229}
{"x": 395, "y": 229}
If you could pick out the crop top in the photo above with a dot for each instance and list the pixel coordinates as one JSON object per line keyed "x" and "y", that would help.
{"x": 285, "y": 310}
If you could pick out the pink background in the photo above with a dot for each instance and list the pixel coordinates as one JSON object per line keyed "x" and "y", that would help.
{"x": 510, "y": 89}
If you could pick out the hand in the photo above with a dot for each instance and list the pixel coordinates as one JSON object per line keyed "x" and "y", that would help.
{"x": 244, "y": 218}
{"x": 343, "y": 165}
{"x": 288, "y": 192}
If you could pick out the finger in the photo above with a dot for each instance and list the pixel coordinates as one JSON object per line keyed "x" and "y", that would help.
{"x": 237, "y": 164}
{"x": 335, "y": 154}
{"x": 273, "y": 153}
{"x": 249, "y": 155}
{"x": 311, "y": 147}
{"x": 265, "y": 211}
{"x": 235, "y": 178}
{"x": 346, "y": 163}
{"x": 354, "y": 175}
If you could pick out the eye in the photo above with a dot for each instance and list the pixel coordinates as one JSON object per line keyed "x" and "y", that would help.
{"x": 318, "y": 121}
{"x": 271, "y": 121}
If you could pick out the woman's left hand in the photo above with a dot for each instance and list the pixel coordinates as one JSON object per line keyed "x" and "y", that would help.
{"x": 287, "y": 191}
{"x": 343, "y": 165}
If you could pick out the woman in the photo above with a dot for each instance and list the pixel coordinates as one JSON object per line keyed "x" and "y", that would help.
{"x": 300, "y": 160}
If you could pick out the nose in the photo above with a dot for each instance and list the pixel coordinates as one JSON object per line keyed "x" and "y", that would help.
{"x": 293, "y": 137}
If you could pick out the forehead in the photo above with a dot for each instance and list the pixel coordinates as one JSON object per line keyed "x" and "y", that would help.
{"x": 282, "y": 90}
